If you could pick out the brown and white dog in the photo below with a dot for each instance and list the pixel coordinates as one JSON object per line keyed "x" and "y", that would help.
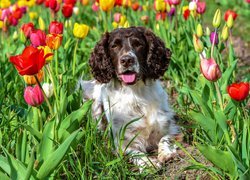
{"x": 126, "y": 64}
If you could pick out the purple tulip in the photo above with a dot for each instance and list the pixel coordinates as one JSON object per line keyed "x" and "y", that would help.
{"x": 214, "y": 38}
{"x": 171, "y": 12}
{"x": 33, "y": 96}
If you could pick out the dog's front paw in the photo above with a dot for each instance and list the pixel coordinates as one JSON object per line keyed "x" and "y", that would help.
{"x": 166, "y": 154}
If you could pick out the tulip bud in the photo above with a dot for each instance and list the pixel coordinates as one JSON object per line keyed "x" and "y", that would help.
{"x": 217, "y": 19}
{"x": 22, "y": 37}
{"x": 199, "y": 31}
{"x": 15, "y": 35}
{"x": 48, "y": 89}
{"x": 198, "y": 45}
{"x": 145, "y": 19}
{"x": 210, "y": 69}
{"x": 33, "y": 96}
{"x": 225, "y": 33}
{"x": 41, "y": 24}
{"x": 230, "y": 21}
{"x": 214, "y": 38}
{"x": 208, "y": 32}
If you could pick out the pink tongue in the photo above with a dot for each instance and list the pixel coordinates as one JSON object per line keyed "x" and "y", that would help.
{"x": 128, "y": 78}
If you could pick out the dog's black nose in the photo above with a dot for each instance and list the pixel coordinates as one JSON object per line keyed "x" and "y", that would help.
{"x": 127, "y": 60}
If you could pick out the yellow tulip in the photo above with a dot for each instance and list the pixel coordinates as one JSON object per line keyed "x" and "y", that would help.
{"x": 160, "y": 5}
{"x": 1, "y": 24}
{"x": 33, "y": 15}
{"x": 41, "y": 23}
{"x": 5, "y": 3}
{"x": 199, "y": 30}
{"x": 85, "y": 2}
{"x": 47, "y": 50}
{"x": 217, "y": 18}
{"x": 80, "y": 30}
{"x": 106, "y": 5}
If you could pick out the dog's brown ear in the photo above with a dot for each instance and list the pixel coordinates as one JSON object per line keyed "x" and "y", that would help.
{"x": 158, "y": 57}
{"x": 100, "y": 61}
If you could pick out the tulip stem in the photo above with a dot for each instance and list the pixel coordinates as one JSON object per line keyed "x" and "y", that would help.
{"x": 212, "y": 48}
{"x": 44, "y": 95}
{"x": 74, "y": 57}
{"x": 53, "y": 84}
{"x": 56, "y": 63}
{"x": 219, "y": 94}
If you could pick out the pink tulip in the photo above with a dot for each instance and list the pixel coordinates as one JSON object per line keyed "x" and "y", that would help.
{"x": 38, "y": 38}
{"x": 210, "y": 69}
{"x": 174, "y": 2}
{"x": 201, "y": 7}
{"x": 248, "y": 1}
{"x": 33, "y": 96}
{"x": 117, "y": 17}
{"x": 95, "y": 7}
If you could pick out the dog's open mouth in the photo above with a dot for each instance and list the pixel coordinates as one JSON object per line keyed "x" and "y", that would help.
{"x": 128, "y": 77}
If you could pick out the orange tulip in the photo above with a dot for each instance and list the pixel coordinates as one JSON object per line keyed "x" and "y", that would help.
{"x": 30, "y": 80}
{"x": 54, "y": 41}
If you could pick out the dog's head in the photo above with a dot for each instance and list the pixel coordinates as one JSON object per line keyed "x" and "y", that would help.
{"x": 129, "y": 55}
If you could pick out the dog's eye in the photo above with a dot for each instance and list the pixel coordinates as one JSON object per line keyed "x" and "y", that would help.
{"x": 136, "y": 43}
{"x": 116, "y": 44}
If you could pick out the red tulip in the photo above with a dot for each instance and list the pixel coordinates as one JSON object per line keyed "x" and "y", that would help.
{"x": 118, "y": 2}
{"x": 33, "y": 96}
{"x": 39, "y": 1}
{"x": 186, "y": 14}
{"x": 30, "y": 62}
{"x": 135, "y": 6}
{"x": 38, "y": 38}
{"x": 56, "y": 27}
{"x": 17, "y": 13}
{"x": 210, "y": 69}
{"x": 71, "y": 2}
{"x": 161, "y": 16}
{"x": 67, "y": 10}
{"x": 12, "y": 20}
{"x": 248, "y": 1}
{"x": 238, "y": 91}
{"x": 27, "y": 28}
{"x": 230, "y": 12}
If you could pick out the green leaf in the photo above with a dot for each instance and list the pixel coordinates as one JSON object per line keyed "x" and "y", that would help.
{"x": 72, "y": 121}
{"x": 33, "y": 131}
{"x": 54, "y": 159}
{"x": 206, "y": 123}
{"x": 222, "y": 121}
{"x": 219, "y": 158}
{"x": 115, "y": 161}
{"x": 46, "y": 145}
{"x": 4, "y": 176}
{"x": 17, "y": 168}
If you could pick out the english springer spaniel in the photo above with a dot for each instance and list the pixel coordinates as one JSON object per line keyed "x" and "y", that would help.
{"x": 126, "y": 64}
